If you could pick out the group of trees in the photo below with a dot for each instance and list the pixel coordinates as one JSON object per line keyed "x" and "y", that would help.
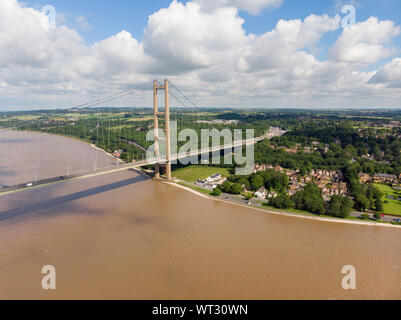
{"x": 366, "y": 197}
{"x": 310, "y": 199}
{"x": 302, "y": 161}
{"x": 230, "y": 187}
{"x": 346, "y": 142}
{"x": 270, "y": 179}
{"x": 340, "y": 207}
{"x": 282, "y": 201}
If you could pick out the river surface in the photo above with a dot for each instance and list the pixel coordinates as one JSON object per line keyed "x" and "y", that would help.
{"x": 123, "y": 236}
{"x": 26, "y": 157}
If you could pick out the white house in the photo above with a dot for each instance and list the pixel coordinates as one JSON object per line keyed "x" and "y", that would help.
{"x": 261, "y": 193}
{"x": 214, "y": 178}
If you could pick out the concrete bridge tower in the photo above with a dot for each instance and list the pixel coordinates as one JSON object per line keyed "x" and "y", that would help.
{"x": 166, "y": 113}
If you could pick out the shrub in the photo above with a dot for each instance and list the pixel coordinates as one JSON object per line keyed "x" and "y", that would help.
{"x": 216, "y": 192}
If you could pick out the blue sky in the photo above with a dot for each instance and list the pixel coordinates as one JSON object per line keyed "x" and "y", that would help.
{"x": 213, "y": 47}
{"x": 108, "y": 17}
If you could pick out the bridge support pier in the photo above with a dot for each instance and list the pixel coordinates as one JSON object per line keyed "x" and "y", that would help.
{"x": 156, "y": 113}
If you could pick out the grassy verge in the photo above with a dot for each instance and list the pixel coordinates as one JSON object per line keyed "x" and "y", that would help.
{"x": 305, "y": 213}
{"x": 270, "y": 208}
{"x": 195, "y": 188}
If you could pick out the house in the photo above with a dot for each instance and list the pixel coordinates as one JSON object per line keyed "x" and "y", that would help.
{"x": 290, "y": 172}
{"x": 262, "y": 167}
{"x": 382, "y": 177}
{"x": 363, "y": 177}
{"x": 261, "y": 193}
{"x": 221, "y": 181}
{"x": 272, "y": 194}
{"x": 293, "y": 150}
{"x": 200, "y": 183}
{"x": 205, "y": 184}
{"x": 214, "y": 178}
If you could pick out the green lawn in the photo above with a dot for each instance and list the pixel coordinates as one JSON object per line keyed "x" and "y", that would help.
{"x": 393, "y": 206}
{"x": 270, "y": 208}
{"x": 25, "y": 118}
{"x": 193, "y": 173}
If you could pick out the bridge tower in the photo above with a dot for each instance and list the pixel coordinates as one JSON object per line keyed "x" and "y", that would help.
{"x": 166, "y": 114}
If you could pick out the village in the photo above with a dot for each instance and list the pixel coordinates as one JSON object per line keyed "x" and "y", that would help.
{"x": 381, "y": 178}
{"x": 331, "y": 182}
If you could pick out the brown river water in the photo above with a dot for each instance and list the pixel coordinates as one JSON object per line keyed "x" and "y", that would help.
{"x": 26, "y": 157}
{"x": 123, "y": 236}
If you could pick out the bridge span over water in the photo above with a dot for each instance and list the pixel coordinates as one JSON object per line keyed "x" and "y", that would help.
{"x": 274, "y": 132}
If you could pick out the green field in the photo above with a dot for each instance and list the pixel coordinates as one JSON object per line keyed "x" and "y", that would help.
{"x": 25, "y": 118}
{"x": 193, "y": 173}
{"x": 393, "y": 206}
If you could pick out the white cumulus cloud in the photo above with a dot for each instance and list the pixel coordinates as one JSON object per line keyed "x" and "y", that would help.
{"x": 279, "y": 47}
{"x": 366, "y": 42}
{"x": 207, "y": 53}
{"x": 389, "y": 75}
{"x": 251, "y": 6}
{"x": 183, "y": 37}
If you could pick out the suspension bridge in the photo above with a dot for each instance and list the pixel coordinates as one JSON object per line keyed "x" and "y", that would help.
{"x": 158, "y": 161}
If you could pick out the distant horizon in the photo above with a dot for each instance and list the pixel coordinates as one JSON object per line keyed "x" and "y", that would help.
{"x": 377, "y": 109}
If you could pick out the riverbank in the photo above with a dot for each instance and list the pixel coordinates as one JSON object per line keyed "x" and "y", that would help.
{"x": 284, "y": 213}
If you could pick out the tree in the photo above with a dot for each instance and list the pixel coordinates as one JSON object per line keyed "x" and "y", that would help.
{"x": 335, "y": 206}
{"x": 236, "y": 188}
{"x": 226, "y": 186}
{"x": 362, "y": 202}
{"x": 256, "y": 182}
{"x": 216, "y": 192}
{"x": 340, "y": 207}
{"x": 248, "y": 196}
{"x": 379, "y": 205}
{"x": 244, "y": 182}
{"x": 282, "y": 201}
{"x": 346, "y": 207}
{"x": 377, "y": 216}
{"x": 310, "y": 199}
